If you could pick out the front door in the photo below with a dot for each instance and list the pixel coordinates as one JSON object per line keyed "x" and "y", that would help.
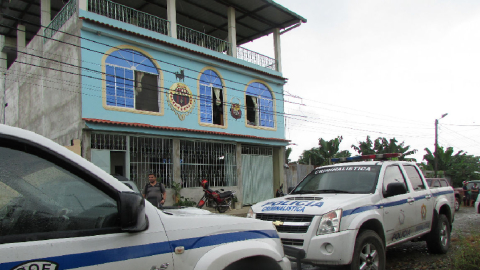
{"x": 56, "y": 215}
{"x": 398, "y": 210}
{"x": 424, "y": 201}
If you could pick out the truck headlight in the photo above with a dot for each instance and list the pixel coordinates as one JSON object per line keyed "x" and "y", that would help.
{"x": 250, "y": 213}
{"x": 330, "y": 222}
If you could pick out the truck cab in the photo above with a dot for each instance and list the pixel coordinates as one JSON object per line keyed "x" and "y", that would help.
{"x": 59, "y": 211}
{"x": 349, "y": 213}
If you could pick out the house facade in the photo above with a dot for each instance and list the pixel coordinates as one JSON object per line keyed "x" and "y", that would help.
{"x": 161, "y": 87}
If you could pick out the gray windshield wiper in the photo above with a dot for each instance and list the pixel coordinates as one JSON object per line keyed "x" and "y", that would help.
{"x": 330, "y": 191}
{"x": 303, "y": 192}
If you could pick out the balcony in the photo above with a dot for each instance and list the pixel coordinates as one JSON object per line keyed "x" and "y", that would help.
{"x": 151, "y": 22}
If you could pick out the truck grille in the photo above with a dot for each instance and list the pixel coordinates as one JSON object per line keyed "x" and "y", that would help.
{"x": 292, "y": 228}
{"x": 292, "y": 242}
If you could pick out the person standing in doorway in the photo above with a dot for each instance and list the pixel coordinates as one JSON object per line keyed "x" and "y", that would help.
{"x": 154, "y": 191}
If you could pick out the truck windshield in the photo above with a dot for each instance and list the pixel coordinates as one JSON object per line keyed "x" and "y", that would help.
{"x": 340, "y": 179}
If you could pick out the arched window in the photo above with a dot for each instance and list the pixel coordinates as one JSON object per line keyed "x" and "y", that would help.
{"x": 211, "y": 98}
{"x": 259, "y": 103}
{"x": 131, "y": 81}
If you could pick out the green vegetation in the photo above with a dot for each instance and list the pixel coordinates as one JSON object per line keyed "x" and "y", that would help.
{"x": 383, "y": 146}
{"x": 460, "y": 167}
{"x": 182, "y": 201}
{"x": 467, "y": 256}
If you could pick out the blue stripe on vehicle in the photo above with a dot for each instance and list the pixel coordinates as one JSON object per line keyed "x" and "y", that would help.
{"x": 389, "y": 204}
{"x": 71, "y": 261}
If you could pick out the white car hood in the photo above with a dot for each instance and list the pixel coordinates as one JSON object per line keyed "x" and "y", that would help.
{"x": 315, "y": 204}
{"x": 188, "y": 211}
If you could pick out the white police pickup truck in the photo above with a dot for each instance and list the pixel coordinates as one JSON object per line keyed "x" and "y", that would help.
{"x": 348, "y": 213}
{"x": 59, "y": 211}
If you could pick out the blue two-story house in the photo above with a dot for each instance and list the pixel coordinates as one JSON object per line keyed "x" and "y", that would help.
{"x": 154, "y": 86}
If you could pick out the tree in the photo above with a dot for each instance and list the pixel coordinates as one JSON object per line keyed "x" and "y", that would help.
{"x": 459, "y": 167}
{"x": 319, "y": 156}
{"x": 288, "y": 151}
{"x": 444, "y": 160}
{"x": 463, "y": 168}
{"x": 383, "y": 146}
{"x": 312, "y": 156}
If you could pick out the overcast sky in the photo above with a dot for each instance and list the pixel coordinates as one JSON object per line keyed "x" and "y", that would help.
{"x": 382, "y": 68}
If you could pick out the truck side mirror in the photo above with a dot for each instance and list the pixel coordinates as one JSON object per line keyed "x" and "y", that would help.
{"x": 395, "y": 189}
{"x": 132, "y": 212}
{"x": 290, "y": 189}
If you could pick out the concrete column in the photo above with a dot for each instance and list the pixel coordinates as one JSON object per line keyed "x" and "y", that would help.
{"x": 177, "y": 175}
{"x": 172, "y": 17}
{"x": 86, "y": 144}
{"x": 238, "y": 157}
{"x": 21, "y": 38}
{"x": 232, "y": 31}
{"x": 45, "y": 14}
{"x": 278, "y": 169}
{"x": 3, "y": 69}
{"x": 127, "y": 157}
{"x": 82, "y": 4}
{"x": 278, "y": 49}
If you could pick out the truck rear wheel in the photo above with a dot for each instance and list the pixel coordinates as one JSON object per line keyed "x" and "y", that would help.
{"x": 457, "y": 204}
{"x": 369, "y": 252}
{"x": 438, "y": 239}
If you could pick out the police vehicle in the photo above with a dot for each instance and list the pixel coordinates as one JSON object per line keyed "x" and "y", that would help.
{"x": 59, "y": 211}
{"x": 350, "y": 212}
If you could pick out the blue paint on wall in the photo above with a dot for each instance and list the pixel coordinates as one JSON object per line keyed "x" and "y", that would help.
{"x": 170, "y": 60}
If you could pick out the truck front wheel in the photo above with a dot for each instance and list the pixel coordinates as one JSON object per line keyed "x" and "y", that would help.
{"x": 438, "y": 239}
{"x": 369, "y": 252}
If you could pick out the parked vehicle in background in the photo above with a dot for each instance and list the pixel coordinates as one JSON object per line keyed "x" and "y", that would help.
{"x": 349, "y": 213}
{"x": 60, "y": 211}
{"x": 218, "y": 199}
{"x": 470, "y": 185}
{"x": 127, "y": 182}
{"x": 442, "y": 182}
{"x": 477, "y": 205}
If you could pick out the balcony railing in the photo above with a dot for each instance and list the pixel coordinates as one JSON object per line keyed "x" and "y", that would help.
{"x": 144, "y": 20}
{"x": 129, "y": 15}
{"x": 60, "y": 19}
{"x": 256, "y": 58}
{"x": 203, "y": 40}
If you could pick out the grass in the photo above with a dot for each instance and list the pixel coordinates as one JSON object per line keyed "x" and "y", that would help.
{"x": 467, "y": 254}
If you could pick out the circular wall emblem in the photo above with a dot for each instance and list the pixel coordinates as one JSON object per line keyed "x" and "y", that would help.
{"x": 180, "y": 99}
{"x": 235, "y": 110}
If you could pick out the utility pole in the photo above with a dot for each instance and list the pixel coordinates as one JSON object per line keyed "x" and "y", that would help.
{"x": 436, "y": 143}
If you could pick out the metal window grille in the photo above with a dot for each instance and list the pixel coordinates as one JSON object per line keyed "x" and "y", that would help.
{"x": 257, "y": 150}
{"x": 151, "y": 155}
{"x": 215, "y": 162}
{"x": 129, "y": 15}
{"x": 108, "y": 141}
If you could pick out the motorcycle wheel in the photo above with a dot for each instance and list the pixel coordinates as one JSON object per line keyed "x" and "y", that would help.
{"x": 225, "y": 206}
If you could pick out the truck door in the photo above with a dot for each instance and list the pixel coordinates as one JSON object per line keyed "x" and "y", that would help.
{"x": 424, "y": 200}
{"x": 55, "y": 214}
{"x": 398, "y": 211}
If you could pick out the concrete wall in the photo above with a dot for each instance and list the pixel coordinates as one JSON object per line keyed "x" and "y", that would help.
{"x": 295, "y": 174}
{"x": 43, "y": 94}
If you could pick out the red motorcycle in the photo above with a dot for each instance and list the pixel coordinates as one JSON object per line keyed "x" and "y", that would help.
{"x": 216, "y": 199}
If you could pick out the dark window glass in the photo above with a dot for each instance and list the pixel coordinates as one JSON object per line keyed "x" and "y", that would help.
{"x": 211, "y": 98}
{"x": 414, "y": 177}
{"x": 259, "y": 102}
{"x": 393, "y": 175}
{"x": 37, "y": 196}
